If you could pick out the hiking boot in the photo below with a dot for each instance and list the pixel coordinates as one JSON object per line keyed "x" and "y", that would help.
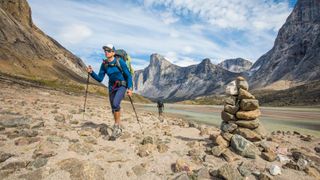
{"x": 116, "y": 132}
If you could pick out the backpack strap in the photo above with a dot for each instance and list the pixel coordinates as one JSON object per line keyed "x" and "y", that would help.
{"x": 118, "y": 64}
{"x": 107, "y": 64}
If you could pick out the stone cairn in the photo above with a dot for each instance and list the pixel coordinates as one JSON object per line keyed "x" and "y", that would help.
{"x": 240, "y": 126}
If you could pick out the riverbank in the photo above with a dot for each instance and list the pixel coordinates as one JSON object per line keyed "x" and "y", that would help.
{"x": 303, "y": 119}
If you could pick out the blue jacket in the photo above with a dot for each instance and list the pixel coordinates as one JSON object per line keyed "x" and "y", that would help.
{"x": 114, "y": 74}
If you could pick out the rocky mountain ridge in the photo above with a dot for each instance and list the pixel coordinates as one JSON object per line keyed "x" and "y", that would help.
{"x": 28, "y": 52}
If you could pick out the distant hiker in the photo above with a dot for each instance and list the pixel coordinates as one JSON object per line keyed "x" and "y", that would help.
{"x": 160, "y": 106}
{"x": 120, "y": 82}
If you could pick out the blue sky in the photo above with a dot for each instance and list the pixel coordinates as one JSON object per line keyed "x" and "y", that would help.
{"x": 184, "y": 31}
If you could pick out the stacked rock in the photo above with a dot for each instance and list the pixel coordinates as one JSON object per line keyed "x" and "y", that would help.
{"x": 241, "y": 113}
{"x": 240, "y": 126}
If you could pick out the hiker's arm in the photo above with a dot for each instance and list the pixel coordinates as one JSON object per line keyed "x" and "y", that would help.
{"x": 126, "y": 73}
{"x": 101, "y": 74}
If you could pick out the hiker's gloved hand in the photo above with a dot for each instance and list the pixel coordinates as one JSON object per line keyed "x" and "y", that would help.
{"x": 129, "y": 92}
{"x": 89, "y": 69}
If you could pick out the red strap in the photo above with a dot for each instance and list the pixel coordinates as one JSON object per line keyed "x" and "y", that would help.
{"x": 115, "y": 85}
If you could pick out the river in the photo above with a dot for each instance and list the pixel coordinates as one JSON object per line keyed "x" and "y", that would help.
{"x": 301, "y": 119}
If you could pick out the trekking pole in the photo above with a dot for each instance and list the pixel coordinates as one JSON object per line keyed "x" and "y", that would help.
{"x": 85, "y": 97}
{"x": 134, "y": 109}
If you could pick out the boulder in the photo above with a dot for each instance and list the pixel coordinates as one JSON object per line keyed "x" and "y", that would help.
{"x": 231, "y": 88}
{"x": 218, "y": 150}
{"x": 5, "y": 156}
{"x": 248, "y": 134}
{"x": 269, "y": 156}
{"x": 231, "y": 109}
{"x": 228, "y": 172}
{"x": 220, "y": 141}
{"x": 229, "y": 156}
{"x": 227, "y": 116}
{"x": 145, "y": 150}
{"x": 243, "y": 147}
{"x": 252, "y": 124}
{"x": 147, "y": 140}
{"x": 228, "y": 127}
{"x": 182, "y": 165}
{"x": 82, "y": 149}
{"x": 81, "y": 169}
{"x": 249, "y": 104}
{"x": 162, "y": 148}
{"x": 275, "y": 170}
{"x": 242, "y": 84}
{"x": 230, "y": 100}
{"x": 243, "y": 94}
{"x": 261, "y": 131}
{"x": 248, "y": 115}
{"x": 227, "y": 136}
{"x": 203, "y": 173}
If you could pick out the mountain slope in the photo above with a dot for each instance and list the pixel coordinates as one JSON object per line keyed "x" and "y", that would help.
{"x": 294, "y": 58}
{"x": 27, "y": 52}
{"x": 163, "y": 80}
{"x": 236, "y": 65}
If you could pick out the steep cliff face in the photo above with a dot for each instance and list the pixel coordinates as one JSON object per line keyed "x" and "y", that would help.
{"x": 236, "y": 65}
{"x": 163, "y": 80}
{"x": 27, "y": 52}
{"x": 295, "y": 56}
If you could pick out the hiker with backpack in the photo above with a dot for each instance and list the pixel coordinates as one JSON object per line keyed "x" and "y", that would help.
{"x": 160, "y": 106}
{"x": 120, "y": 82}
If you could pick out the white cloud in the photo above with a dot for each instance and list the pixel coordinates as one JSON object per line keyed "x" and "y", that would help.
{"x": 75, "y": 33}
{"x": 225, "y": 29}
{"x": 238, "y": 14}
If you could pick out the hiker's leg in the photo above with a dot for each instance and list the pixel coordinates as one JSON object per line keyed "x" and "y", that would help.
{"x": 119, "y": 95}
{"x": 111, "y": 98}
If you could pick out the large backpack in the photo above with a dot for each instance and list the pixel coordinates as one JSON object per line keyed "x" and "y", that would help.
{"x": 120, "y": 53}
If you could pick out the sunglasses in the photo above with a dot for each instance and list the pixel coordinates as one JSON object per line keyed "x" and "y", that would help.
{"x": 108, "y": 51}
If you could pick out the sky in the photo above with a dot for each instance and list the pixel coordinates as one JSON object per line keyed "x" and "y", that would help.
{"x": 183, "y": 31}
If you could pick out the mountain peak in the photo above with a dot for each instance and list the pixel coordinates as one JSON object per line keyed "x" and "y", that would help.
{"x": 206, "y": 61}
{"x": 157, "y": 59}
{"x": 19, "y": 10}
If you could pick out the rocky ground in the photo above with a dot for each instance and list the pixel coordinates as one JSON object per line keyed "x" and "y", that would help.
{"x": 43, "y": 135}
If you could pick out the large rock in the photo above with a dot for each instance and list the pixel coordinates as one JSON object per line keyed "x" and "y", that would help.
{"x": 228, "y": 127}
{"x": 231, "y": 88}
{"x": 248, "y": 115}
{"x": 242, "y": 84}
{"x": 45, "y": 149}
{"x": 16, "y": 165}
{"x": 249, "y": 104}
{"x": 228, "y": 172}
{"x": 269, "y": 155}
{"x": 231, "y": 109}
{"x": 248, "y": 134}
{"x": 81, "y": 169}
{"x": 82, "y": 149}
{"x": 220, "y": 141}
{"x": 231, "y": 100}
{"x": 227, "y": 117}
{"x": 182, "y": 165}
{"x": 243, "y": 94}
{"x": 5, "y": 156}
{"x": 243, "y": 147}
{"x": 217, "y": 150}
{"x": 227, "y": 136}
{"x": 229, "y": 156}
{"x": 261, "y": 131}
{"x": 146, "y": 150}
{"x": 248, "y": 124}
{"x": 15, "y": 122}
